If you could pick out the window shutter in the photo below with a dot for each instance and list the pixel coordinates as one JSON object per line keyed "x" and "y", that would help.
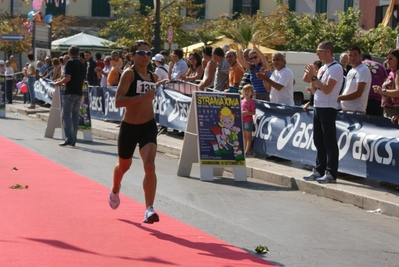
{"x": 255, "y": 7}
{"x": 292, "y": 5}
{"x": 201, "y": 13}
{"x": 100, "y": 8}
{"x": 321, "y": 6}
{"x": 53, "y": 10}
{"x": 378, "y": 15}
{"x": 348, "y": 4}
{"x": 237, "y": 8}
{"x": 145, "y": 3}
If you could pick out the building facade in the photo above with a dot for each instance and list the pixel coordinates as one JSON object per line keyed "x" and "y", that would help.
{"x": 373, "y": 11}
{"x": 86, "y": 9}
{"x": 312, "y": 7}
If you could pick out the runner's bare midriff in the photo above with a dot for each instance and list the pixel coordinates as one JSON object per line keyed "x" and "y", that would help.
{"x": 139, "y": 114}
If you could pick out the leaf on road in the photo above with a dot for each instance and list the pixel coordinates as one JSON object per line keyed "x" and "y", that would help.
{"x": 261, "y": 249}
{"x": 18, "y": 186}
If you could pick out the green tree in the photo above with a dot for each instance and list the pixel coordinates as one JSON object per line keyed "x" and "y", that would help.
{"x": 242, "y": 30}
{"x": 15, "y": 25}
{"x": 302, "y": 32}
{"x": 378, "y": 41}
{"x": 61, "y": 26}
{"x": 206, "y": 34}
{"x": 132, "y": 25}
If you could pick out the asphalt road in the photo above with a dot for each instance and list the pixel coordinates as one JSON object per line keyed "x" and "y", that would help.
{"x": 299, "y": 229}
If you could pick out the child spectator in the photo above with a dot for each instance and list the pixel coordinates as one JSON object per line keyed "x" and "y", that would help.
{"x": 248, "y": 110}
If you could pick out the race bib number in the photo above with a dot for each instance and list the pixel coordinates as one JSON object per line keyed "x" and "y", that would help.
{"x": 145, "y": 86}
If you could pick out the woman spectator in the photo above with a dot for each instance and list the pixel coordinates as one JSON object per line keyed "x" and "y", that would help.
{"x": 104, "y": 72}
{"x": 390, "y": 88}
{"x": 56, "y": 69}
{"x": 128, "y": 62}
{"x": 25, "y": 80}
{"x": 258, "y": 62}
{"x": 195, "y": 69}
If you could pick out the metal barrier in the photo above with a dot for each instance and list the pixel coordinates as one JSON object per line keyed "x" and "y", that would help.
{"x": 186, "y": 88}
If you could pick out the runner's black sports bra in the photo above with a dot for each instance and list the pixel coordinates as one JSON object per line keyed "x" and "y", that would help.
{"x": 139, "y": 85}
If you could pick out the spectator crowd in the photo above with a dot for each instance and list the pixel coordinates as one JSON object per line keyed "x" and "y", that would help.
{"x": 354, "y": 83}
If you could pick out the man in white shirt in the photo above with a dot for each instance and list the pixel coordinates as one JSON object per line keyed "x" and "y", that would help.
{"x": 357, "y": 87}
{"x": 280, "y": 85}
{"x": 178, "y": 65}
{"x": 326, "y": 85}
{"x": 9, "y": 73}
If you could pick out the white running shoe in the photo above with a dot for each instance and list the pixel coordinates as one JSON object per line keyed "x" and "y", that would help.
{"x": 114, "y": 200}
{"x": 313, "y": 176}
{"x": 150, "y": 216}
{"x": 327, "y": 178}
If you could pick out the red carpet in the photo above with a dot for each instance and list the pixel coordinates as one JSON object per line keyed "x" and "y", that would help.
{"x": 63, "y": 219}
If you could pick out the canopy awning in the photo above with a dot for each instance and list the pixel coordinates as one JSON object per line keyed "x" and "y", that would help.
{"x": 86, "y": 42}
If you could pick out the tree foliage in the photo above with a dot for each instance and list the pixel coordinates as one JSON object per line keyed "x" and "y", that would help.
{"x": 132, "y": 25}
{"x": 61, "y": 26}
{"x": 14, "y": 25}
{"x": 302, "y": 32}
{"x": 378, "y": 41}
{"x": 206, "y": 34}
{"x": 242, "y": 30}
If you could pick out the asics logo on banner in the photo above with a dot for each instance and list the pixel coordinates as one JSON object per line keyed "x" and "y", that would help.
{"x": 265, "y": 122}
{"x": 179, "y": 110}
{"x": 95, "y": 102}
{"x": 300, "y": 132}
{"x": 110, "y": 105}
{"x": 160, "y": 105}
{"x": 367, "y": 147}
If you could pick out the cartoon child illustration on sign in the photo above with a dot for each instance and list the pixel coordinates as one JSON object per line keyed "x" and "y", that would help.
{"x": 229, "y": 132}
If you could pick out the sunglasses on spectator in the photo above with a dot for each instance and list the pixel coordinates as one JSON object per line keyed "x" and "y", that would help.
{"x": 254, "y": 57}
{"x": 318, "y": 51}
{"x": 142, "y": 53}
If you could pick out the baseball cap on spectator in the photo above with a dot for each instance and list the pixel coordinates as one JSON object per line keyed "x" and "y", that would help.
{"x": 158, "y": 57}
{"x": 1, "y": 62}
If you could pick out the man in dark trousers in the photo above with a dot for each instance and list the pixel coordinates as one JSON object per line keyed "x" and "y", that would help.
{"x": 326, "y": 84}
{"x": 75, "y": 73}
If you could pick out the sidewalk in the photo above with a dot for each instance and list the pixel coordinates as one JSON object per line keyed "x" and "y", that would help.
{"x": 364, "y": 193}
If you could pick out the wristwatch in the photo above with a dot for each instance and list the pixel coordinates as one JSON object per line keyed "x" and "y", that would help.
{"x": 314, "y": 78}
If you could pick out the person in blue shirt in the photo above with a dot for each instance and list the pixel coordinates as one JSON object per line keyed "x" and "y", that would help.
{"x": 257, "y": 62}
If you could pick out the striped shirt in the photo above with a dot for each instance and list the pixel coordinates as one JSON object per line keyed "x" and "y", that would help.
{"x": 255, "y": 81}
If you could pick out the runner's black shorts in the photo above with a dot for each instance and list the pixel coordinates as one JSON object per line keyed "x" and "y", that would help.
{"x": 132, "y": 134}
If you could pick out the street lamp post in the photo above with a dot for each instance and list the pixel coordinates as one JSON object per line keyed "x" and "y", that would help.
{"x": 156, "y": 39}
{"x": 12, "y": 15}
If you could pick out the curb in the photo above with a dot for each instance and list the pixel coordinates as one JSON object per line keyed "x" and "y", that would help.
{"x": 328, "y": 191}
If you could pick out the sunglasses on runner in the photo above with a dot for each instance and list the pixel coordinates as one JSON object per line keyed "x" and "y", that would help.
{"x": 142, "y": 53}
